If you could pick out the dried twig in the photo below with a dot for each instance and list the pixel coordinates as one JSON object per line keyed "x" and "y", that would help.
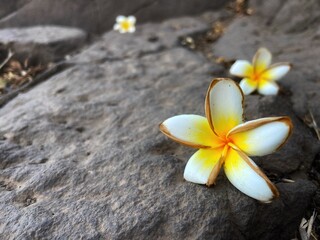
{"x": 10, "y": 54}
{"x": 311, "y": 221}
{"x": 312, "y": 123}
{"x": 287, "y": 180}
{"x": 305, "y": 228}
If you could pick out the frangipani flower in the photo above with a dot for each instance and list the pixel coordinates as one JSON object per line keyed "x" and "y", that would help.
{"x": 260, "y": 75}
{"x": 224, "y": 139}
{"x": 125, "y": 24}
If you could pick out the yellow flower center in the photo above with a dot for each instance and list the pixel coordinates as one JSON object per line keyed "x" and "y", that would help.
{"x": 125, "y": 25}
{"x": 226, "y": 143}
{"x": 229, "y": 142}
{"x": 255, "y": 76}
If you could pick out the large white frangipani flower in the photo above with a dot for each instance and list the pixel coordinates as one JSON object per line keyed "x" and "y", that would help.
{"x": 125, "y": 24}
{"x": 260, "y": 75}
{"x": 224, "y": 139}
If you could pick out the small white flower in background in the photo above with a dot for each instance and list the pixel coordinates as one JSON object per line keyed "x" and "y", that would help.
{"x": 260, "y": 75}
{"x": 125, "y": 24}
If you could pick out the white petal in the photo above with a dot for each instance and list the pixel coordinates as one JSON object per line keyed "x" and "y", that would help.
{"x": 268, "y": 88}
{"x": 244, "y": 174}
{"x": 132, "y": 19}
{"x": 248, "y": 86}
{"x": 132, "y": 29}
{"x": 190, "y": 130}
{"x": 262, "y": 136}
{"x": 276, "y": 71}
{"x": 241, "y": 68}
{"x": 120, "y": 19}
{"x": 224, "y": 105}
{"x": 261, "y": 60}
{"x": 201, "y": 164}
{"x": 116, "y": 26}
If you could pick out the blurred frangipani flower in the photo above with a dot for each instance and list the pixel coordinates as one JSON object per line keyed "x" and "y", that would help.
{"x": 125, "y": 24}
{"x": 224, "y": 139}
{"x": 260, "y": 74}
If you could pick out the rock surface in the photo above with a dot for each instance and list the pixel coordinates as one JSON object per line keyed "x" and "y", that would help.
{"x": 49, "y": 42}
{"x": 82, "y": 157}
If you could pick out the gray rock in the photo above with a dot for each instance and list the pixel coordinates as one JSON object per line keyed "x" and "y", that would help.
{"x": 99, "y": 15}
{"x": 82, "y": 156}
{"x": 152, "y": 38}
{"x": 290, "y": 16}
{"x": 9, "y": 6}
{"x": 49, "y": 41}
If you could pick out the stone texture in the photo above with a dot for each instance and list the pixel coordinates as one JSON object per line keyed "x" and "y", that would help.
{"x": 151, "y": 38}
{"x": 49, "y": 42}
{"x": 291, "y": 16}
{"x": 82, "y": 157}
{"x": 9, "y": 6}
{"x": 98, "y": 15}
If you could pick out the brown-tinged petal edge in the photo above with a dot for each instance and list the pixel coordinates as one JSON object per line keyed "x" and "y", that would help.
{"x": 207, "y": 101}
{"x": 273, "y": 188}
{"x": 277, "y": 65}
{"x": 166, "y": 132}
{"x": 216, "y": 170}
{"x": 214, "y": 173}
{"x": 260, "y": 122}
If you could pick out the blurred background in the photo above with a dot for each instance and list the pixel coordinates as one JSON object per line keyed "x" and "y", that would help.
{"x": 96, "y": 16}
